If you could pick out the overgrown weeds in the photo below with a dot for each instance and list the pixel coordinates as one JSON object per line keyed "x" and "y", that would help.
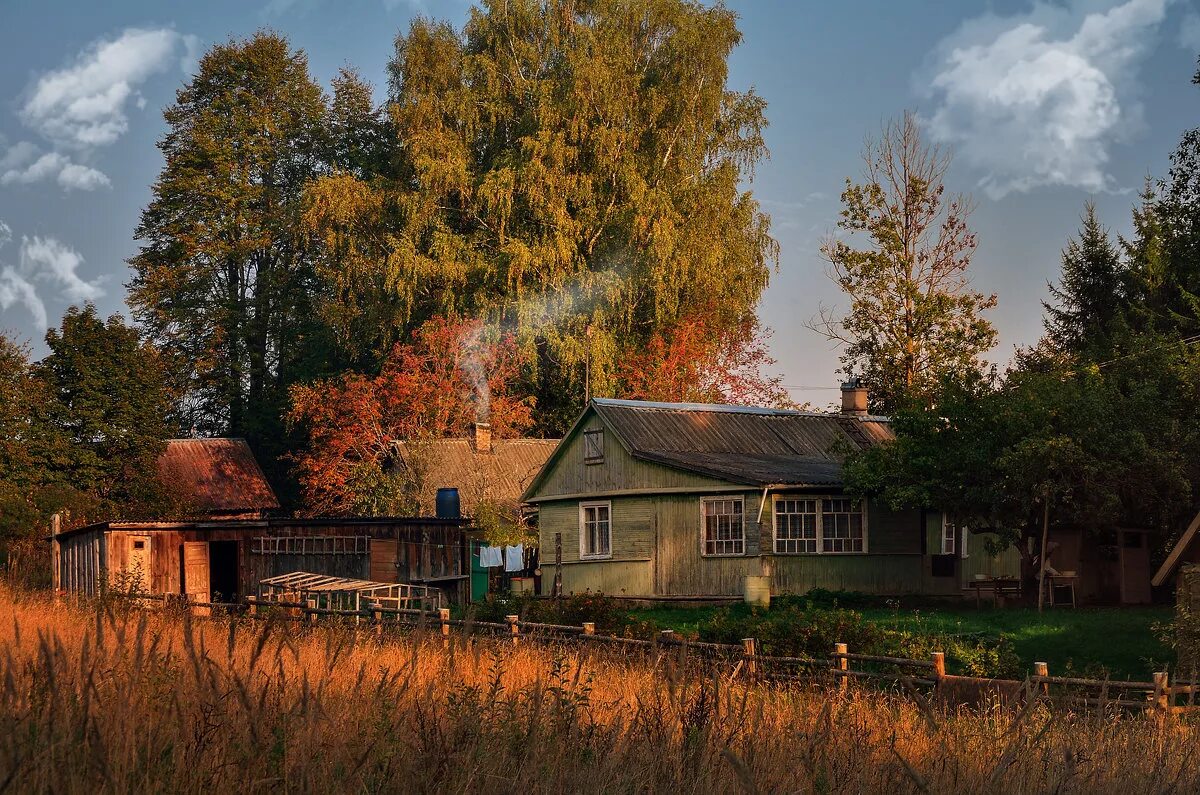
{"x": 101, "y": 699}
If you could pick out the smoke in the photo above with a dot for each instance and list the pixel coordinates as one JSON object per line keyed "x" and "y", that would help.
{"x": 581, "y": 294}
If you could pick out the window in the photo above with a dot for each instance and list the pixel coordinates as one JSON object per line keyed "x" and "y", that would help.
{"x": 841, "y": 525}
{"x": 593, "y": 446}
{"x": 819, "y": 525}
{"x": 723, "y": 528}
{"x": 949, "y": 536}
{"x": 595, "y": 530}
{"x": 795, "y": 526}
{"x": 139, "y": 544}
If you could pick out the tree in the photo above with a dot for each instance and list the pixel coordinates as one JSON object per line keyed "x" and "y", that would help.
{"x": 690, "y": 362}
{"x": 1085, "y": 313}
{"x": 555, "y": 167}
{"x": 108, "y": 396}
{"x": 451, "y": 375}
{"x": 225, "y": 279}
{"x": 913, "y": 316}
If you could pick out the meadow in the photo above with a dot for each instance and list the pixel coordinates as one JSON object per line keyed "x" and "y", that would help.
{"x": 105, "y": 698}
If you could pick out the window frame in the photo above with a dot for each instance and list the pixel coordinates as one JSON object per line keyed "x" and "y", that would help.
{"x": 583, "y": 506}
{"x": 704, "y": 501}
{"x": 589, "y": 434}
{"x": 949, "y": 533}
{"x": 819, "y": 500}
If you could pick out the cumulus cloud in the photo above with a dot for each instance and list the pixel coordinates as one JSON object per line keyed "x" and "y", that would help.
{"x": 85, "y": 105}
{"x": 1038, "y": 99}
{"x": 42, "y": 261}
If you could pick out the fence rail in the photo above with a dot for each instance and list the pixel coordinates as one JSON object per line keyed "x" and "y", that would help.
{"x": 1159, "y": 694}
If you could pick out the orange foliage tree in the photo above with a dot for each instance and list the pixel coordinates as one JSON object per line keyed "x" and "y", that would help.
{"x": 699, "y": 361}
{"x": 450, "y": 375}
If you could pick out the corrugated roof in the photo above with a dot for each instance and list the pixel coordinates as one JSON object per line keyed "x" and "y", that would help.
{"x": 500, "y": 475}
{"x": 216, "y": 475}
{"x": 756, "y": 446}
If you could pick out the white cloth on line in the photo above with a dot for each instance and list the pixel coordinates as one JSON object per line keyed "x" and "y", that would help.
{"x": 514, "y": 558}
{"x": 490, "y": 557}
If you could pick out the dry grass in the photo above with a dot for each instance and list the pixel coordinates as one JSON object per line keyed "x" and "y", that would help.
{"x": 92, "y": 700}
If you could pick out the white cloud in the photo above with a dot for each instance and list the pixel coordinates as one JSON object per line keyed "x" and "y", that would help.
{"x": 52, "y": 165}
{"x": 48, "y": 260}
{"x": 1038, "y": 99}
{"x": 83, "y": 105}
{"x": 16, "y": 289}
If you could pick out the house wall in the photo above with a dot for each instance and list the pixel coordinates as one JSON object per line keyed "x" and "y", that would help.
{"x": 82, "y": 563}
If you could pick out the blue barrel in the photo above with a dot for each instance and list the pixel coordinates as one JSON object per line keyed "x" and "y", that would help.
{"x": 447, "y": 504}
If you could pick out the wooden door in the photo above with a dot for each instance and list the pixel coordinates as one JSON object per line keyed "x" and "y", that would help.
{"x": 1135, "y": 568}
{"x": 383, "y": 560}
{"x": 195, "y": 571}
{"x": 137, "y": 564}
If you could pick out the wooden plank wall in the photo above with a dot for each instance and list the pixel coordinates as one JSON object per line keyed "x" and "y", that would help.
{"x": 82, "y": 564}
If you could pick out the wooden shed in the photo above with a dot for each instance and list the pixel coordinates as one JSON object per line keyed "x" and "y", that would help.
{"x": 224, "y": 560}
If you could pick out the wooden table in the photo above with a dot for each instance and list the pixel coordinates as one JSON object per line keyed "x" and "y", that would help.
{"x": 999, "y": 585}
{"x": 1060, "y": 581}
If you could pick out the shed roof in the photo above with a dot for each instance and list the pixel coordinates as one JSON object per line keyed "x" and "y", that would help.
{"x": 216, "y": 475}
{"x": 499, "y": 475}
{"x": 741, "y": 444}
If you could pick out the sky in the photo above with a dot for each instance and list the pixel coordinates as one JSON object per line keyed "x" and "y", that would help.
{"x": 1046, "y": 106}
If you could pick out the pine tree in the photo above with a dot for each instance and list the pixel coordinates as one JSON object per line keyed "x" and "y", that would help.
{"x": 1087, "y": 304}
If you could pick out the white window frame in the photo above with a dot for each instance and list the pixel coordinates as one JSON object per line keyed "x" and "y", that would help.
{"x": 949, "y": 533}
{"x": 704, "y": 501}
{"x": 588, "y": 457}
{"x": 819, "y": 499}
{"x": 583, "y": 506}
{"x": 960, "y": 539}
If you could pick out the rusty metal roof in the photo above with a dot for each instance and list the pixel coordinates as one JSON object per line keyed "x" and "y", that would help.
{"x": 216, "y": 475}
{"x": 756, "y": 446}
{"x": 499, "y": 475}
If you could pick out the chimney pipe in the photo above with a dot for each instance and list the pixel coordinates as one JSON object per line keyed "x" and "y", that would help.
{"x": 854, "y": 398}
{"x": 483, "y": 437}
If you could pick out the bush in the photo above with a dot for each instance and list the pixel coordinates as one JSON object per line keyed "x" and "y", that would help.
{"x": 610, "y": 615}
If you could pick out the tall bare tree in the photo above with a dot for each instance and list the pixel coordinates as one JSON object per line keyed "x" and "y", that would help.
{"x": 913, "y": 316}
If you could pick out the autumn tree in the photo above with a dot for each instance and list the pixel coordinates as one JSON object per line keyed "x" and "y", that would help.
{"x": 691, "y": 362}
{"x": 450, "y": 375}
{"x": 554, "y": 166}
{"x": 225, "y": 279}
{"x": 913, "y": 317}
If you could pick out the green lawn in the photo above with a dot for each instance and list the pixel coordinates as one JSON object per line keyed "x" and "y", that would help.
{"x": 1124, "y": 641}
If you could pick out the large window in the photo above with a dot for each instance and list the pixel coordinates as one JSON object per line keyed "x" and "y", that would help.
{"x": 724, "y": 528}
{"x": 819, "y": 525}
{"x": 593, "y": 446}
{"x": 595, "y": 530}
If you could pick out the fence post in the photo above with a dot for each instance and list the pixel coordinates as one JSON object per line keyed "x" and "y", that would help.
{"x": 939, "y": 668}
{"x": 842, "y": 664}
{"x": 377, "y": 619}
{"x": 667, "y": 635}
{"x": 1043, "y": 670}
{"x": 253, "y": 610}
{"x": 312, "y": 615}
{"x": 444, "y": 617}
{"x": 750, "y": 653}
{"x": 516, "y": 629}
{"x": 589, "y": 628}
{"x": 1161, "y": 696}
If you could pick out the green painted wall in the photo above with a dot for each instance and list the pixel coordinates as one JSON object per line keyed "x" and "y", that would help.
{"x": 617, "y": 578}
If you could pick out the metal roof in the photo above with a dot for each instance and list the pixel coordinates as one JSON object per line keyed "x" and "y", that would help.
{"x": 755, "y": 446}
{"x": 498, "y": 475}
{"x": 216, "y": 475}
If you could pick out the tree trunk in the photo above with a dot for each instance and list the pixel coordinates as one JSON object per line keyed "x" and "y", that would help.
{"x": 1042, "y": 554}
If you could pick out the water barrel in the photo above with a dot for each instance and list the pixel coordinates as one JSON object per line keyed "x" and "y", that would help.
{"x": 758, "y": 591}
{"x": 447, "y": 504}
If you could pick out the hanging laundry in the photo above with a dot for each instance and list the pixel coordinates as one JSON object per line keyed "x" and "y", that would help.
{"x": 490, "y": 557}
{"x": 514, "y": 558}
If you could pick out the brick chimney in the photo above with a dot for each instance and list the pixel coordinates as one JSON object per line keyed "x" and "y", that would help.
{"x": 483, "y": 437}
{"x": 854, "y": 398}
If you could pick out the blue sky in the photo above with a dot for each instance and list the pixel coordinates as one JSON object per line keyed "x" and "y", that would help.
{"x": 1046, "y": 104}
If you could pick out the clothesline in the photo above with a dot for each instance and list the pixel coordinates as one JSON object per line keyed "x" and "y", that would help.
{"x": 512, "y": 558}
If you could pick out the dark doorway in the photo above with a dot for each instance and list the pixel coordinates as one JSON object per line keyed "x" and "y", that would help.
{"x": 223, "y": 571}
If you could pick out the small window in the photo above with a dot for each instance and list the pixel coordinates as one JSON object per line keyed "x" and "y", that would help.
{"x": 139, "y": 544}
{"x": 949, "y": 536}
{"x": 724, "y": 528}
{"x": 593, "y": 446}
{"x": 595, "y": 530}
{"x": 841, "y": 525}
{"x": 795, "y": 527}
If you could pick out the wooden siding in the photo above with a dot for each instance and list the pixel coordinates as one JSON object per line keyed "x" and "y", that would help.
{"x": 615, "y": 577}
{"x": 618, "y": 472}
{"x": 979, "y": 562}
{"x": 82, "y": 564}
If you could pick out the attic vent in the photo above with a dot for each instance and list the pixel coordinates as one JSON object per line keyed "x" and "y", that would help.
{"x": 593, "y": 446}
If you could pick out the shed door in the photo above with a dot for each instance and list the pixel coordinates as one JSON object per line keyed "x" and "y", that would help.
{"x": 383, "y": 560}
{"x": 1135, "y": 568}
{"x": 195, "y": 570}
{"x": 138, "y": 563}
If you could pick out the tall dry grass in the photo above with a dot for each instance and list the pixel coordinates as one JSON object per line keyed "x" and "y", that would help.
{"x": 108, "y": 700}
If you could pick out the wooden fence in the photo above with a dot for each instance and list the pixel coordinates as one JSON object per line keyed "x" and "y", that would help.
{"x": 917, "y": 676}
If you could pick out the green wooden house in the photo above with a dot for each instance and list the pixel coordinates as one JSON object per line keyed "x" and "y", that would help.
{"x": 685, "y": 500}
